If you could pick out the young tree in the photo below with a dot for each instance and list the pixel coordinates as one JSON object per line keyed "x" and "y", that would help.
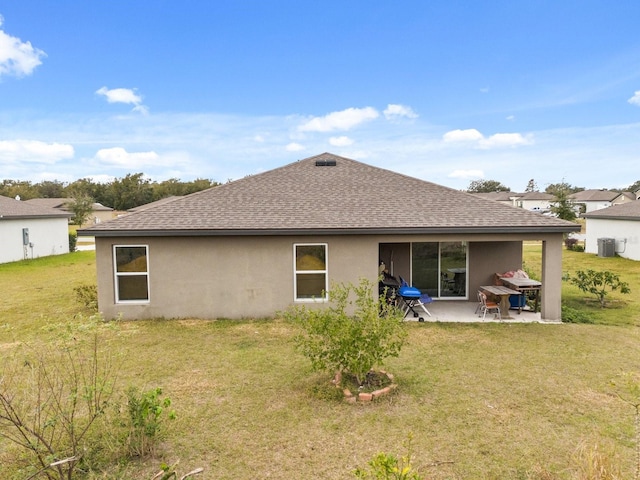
{"x": 563, "y": 207}
{"x": 51, "y": 400}
{"x": 337, "y": 341}
{"x": 599, "y": 284}
{"x": 82, "y": 208}
{"x": 486, "y": 186}
{"x": 532, "y": 186}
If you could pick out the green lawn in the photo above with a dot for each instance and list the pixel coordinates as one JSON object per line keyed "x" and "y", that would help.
{"x": 483, "y": 401}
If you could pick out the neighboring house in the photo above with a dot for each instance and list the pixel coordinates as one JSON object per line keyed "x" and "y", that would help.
{"x": 621, "y": 224}
{"x": 536, "y": 201}
{"x": 599, "y": 199}
{"x": 99, "y": 214}
{"x": 255, "y": 246}
{"x": 31, "y": 231}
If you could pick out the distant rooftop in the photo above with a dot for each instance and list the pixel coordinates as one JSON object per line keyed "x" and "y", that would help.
{"x": 16, "y": 209}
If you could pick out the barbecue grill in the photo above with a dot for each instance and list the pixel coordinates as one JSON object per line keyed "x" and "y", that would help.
{"x": 413, "y": 299}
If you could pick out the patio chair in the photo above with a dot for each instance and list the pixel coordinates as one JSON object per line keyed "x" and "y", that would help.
{"x": 487, "y": 306}
{"x": 479, "y": 304}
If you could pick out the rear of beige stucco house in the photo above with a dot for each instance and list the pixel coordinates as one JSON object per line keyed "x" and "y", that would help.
{"x": 255, "y": 246}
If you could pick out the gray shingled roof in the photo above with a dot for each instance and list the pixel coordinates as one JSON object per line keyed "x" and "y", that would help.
{"x": 498, "y": 196}
{"x": 624, "y": 211}
{"x": 61, "y": 203}
{"x": 596, "y": 195}
{"x": 348, "y": 198}
{"x": 11, "y": 209}
{"x": 153, "y": 204}
{"x": 537, "y": 196}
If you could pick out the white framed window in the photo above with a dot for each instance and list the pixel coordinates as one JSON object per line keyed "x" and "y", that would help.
{"x": 131, "y": 272}
{"x": 311, "y": 279}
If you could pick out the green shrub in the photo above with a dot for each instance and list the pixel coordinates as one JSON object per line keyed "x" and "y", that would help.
{"x": 144, "y": 421}
{"x": 336, "y": 341}
{"x": 572, "y": 315}
{"x": 385, "y": 466}
{"x": 73, "y": 241}
{"x": 87, "y": 295}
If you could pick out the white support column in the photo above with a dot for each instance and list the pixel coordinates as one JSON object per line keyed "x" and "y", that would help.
{"x": 551, "y": 306}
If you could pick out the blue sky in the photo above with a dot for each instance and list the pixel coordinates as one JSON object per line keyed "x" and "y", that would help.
{"x": 447, "y": 91}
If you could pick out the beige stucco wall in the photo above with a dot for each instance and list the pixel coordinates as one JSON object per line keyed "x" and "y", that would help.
{"x": 226, "y": 277}
{"x": 252, "y": 277}
{"x": 488, "y": 258}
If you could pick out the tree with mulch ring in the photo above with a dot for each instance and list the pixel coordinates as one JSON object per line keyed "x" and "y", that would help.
{"x": 353, "y": 335}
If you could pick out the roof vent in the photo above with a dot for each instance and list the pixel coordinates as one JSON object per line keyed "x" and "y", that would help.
{"x": 325, "y": 163}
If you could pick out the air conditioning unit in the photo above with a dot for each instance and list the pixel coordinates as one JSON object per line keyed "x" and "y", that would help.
{"x": 606, "y": 247}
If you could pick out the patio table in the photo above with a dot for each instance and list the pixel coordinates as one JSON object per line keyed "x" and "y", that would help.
{"x": 524, "y": 285}
{"x": 504, "y": 293}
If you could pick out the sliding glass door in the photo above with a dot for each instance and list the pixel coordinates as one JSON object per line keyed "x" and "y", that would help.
{"x": 440, "y": 268}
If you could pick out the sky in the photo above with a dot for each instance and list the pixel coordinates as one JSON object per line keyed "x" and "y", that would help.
{"x": 446, "y": 91}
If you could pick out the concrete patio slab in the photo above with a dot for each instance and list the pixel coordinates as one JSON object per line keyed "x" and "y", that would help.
{"x": 463, "y": 311}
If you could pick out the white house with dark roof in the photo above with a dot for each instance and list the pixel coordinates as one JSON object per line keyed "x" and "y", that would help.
{"x": 31, "y": 231}
{"x": 255, "y": 246}
{"x": 534, "y": 201}
{"x": 620, "y": 224}
{"x": 599, "y": 199}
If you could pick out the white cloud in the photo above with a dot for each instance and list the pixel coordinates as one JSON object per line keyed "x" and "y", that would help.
{"x": 394, "y": 111}
{"x": 34, "y": 151}
{"x": 340, "y": 141}
{"x": 221, "y": 147}
{"x": 342, "y": 120}
{"x": 484, "y": 90}
{"x": 635, "y": 100}
{"x": 119, "y": 157}
{"x": 505, "y": 140}
{"x": 469, "y": 135}
{"x": 294, "y": 147}
{"x": 511, "y": 118}
{"x": 124, "y": 95}
{"x": 17, "y": 57}
{"x": 497, "y": 140}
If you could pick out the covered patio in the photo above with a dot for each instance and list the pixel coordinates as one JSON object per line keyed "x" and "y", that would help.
{"x": 464, "y": 312}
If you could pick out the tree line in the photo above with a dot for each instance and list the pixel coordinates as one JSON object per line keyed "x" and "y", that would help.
{"x": 490, "y": 186}
{"x": 123, "y": 193}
